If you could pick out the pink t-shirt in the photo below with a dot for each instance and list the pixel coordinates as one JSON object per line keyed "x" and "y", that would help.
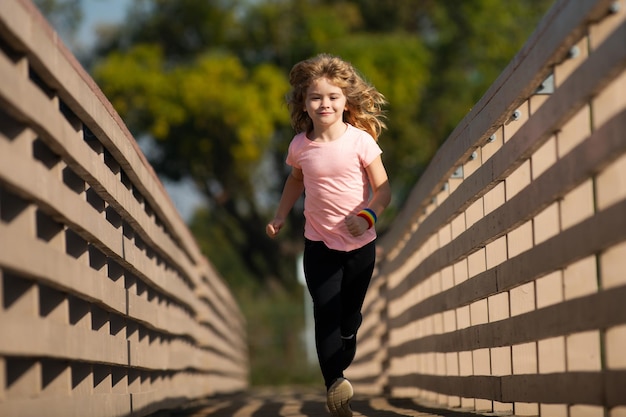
{"x": 336, "y": 185}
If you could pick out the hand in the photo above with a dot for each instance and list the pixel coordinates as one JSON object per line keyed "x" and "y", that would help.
{"x": 356, "y": 225}
{"x": 274, "y": 227}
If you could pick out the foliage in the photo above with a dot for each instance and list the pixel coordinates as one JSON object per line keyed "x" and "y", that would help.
{"x": 275, "y": 335}
{"x": 206, "y": 81}
{"x": 212, "y": 120}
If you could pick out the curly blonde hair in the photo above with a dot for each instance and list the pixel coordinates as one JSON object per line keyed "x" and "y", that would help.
{"x": 364, "y": 103}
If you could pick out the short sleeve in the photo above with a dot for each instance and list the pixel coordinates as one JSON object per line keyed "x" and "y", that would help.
{"x": 294, "y": 146}
{"x": 370, "y": 149}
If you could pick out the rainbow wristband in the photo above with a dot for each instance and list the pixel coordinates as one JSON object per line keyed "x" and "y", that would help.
{"x": 369, "y": 216}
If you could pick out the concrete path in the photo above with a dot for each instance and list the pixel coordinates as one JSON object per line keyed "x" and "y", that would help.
{"x": 303, "y": 402}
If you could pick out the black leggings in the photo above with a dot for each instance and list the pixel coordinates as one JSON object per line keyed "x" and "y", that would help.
{"x": 337, "y": 282}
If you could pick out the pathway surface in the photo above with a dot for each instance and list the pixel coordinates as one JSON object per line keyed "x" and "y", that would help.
{"x": 303, "y": 402}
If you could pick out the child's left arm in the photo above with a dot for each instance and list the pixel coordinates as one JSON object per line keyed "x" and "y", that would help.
{"x": 380, "y": 200}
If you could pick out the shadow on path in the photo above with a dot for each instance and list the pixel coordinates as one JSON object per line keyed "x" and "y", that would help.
{"x": 303, "y": 402}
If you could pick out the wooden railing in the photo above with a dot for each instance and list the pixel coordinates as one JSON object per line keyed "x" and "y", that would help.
{"x": 502, "y": 287}
{"x": 107, "y": 306}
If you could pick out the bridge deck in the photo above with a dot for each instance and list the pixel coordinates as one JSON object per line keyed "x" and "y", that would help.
{"x": 303, "y": 402}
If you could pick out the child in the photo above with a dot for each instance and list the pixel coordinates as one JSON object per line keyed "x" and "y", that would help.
{"x": 336, "y": 159}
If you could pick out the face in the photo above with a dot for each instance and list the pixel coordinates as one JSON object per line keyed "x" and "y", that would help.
{"x": 325, "y": 103}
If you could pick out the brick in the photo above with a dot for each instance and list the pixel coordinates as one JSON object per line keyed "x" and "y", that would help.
{"x": 524, "y": 358}
{"x": 574, "y": 131}
{"x": 612, "y": 266}
{"x": 438, "y": 327}
{"x": 503, "y": 408}
{"x": 20, "y": 296}
{"x": 494, "y": 198}
{"x": 479, "y": 311}
{"x": 81, "y": 378}
{"x": 443, "y": 194}
{"x": 496, "y": 252}
{"x": 618, "y": 411}
{"x": 615, "y": 341}
{"x": 546, "y": 224}
{"x": 610, "y": 101}
{"x": 550, "y": 289}
{"x": 544, "y": 157}
{"x": 483, "y": 405}
{"x": 491, "y": 147}
{"x": 23, "y": 377}
{"x": 535, "y": 102}
{"x": 53, "y": 305}
{"x": 453, "y": 184}
{"x": 499, "y": 307}
{"x": 553, "y": 410}
{"x": 468, "y": 403}
{"x": 579, "y": 410}
{"x": 518, "y": 180}
{"x": 474, "y": 212}
{"x": 501, "y": 361}
{"x": 512, "y": 126}
{"x": 431, "y": 245}
{"x": 445, "y": 234}
{"x": 580, "y": 278}
{"x": 454, "y": 401}
{"x": 551, "y": 355}
{"x": 17, "y": 213}
{"x": 526, "y": 409}
{"x": 611, "y": 184}
{"x": 476, "y": 262}
{"x": 440, "y": 363}
{"x": 460, "y": 272}
{"x": 449, "y": 321}
{"x": 452, "y": 364}
{"x": 600, "y": 30}
{"x": 473, "y": 163}
{"x": 481, "y": 362}
{"x": 520, "y": 239}
{"x": 435, "y": 283}
{"x": 458, "y": 225}
{"x": 522, "y": 299}
{"x": 463, "y": 317}
{"x": 447, "y": 278}
{"x": 56, "y": 378}
{"x": 577, "y": 205}
{"x": 564, "y": 68}
{"x": 3, "y": 381}
{"x": 465, "y": 364}
{"x": 583, "y": 351}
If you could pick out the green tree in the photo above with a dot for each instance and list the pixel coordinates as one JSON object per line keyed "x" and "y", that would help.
{"x": 212, "y": 120}
{"x": 206, "y": 80}
{"x": 473, "y": 41}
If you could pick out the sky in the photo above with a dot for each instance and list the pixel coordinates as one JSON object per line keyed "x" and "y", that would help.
{"x": 98, "y": 12}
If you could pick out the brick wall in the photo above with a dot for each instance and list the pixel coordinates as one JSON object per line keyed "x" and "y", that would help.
{"x": 107, "y": 307}
{"x": 502, "y": 284}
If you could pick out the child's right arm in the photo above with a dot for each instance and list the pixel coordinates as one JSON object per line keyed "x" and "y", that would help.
{"x": 294, "y": 187}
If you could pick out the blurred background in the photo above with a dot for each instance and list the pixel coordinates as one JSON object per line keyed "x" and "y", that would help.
{"x": 201, "y": 85}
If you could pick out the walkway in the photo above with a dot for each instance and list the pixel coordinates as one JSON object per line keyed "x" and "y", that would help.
{"x": 303, "y": 402}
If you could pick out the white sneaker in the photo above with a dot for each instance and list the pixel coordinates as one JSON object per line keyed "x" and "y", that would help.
{"x": 338, "y": 398}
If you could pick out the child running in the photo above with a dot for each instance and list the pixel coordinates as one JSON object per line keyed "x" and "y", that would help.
{"x": 335, "y": 158}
